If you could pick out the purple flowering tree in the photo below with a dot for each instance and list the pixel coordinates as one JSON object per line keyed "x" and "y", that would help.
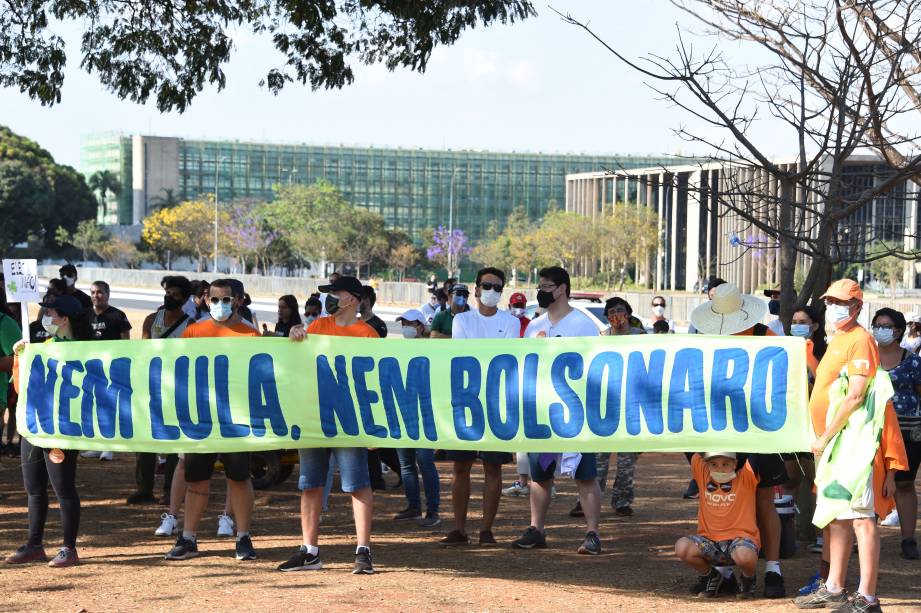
{"x": 247, "y": 236}
{"x": 448, "y": 248}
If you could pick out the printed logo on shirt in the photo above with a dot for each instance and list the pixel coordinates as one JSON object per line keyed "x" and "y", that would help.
{"x": 719, "y": 495}
{"x": 861, "y": 364}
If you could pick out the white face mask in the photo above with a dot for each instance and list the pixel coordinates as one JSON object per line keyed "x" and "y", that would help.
{"x": 518, "y": 312}
{"x": 221, "y": 311}
{"x": 69, "y": 281}
{"x": 883, "y": 336}
{"x": 490, "y": 298}
{"x": 838, "y": 313}
{"x": 658, "y": 311}
{"x": 410, "y": 332}
{"x": 719, "y": 477}
{"x": 49, "y": 325}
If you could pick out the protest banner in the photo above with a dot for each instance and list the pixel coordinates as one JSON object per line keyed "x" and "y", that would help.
{"x": 637, "y": 393}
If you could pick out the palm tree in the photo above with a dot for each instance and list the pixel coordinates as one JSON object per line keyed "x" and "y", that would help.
{"x": 167, "y": 201}
{"x": 104, "y": 182}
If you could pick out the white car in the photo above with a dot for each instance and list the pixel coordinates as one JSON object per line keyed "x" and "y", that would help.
{"x": 592, "y": 308}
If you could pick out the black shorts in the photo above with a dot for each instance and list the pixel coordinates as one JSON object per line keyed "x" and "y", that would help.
{"x": 490, "y": 457}
{"x": 913, "y": 450}
{"x": 770, "y": 469}
{"x": 200, "y": 466}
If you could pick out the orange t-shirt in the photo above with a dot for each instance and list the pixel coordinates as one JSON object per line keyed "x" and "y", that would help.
{"x": 726, "y": 514}
{"x": 751, "y": 332}
{"x": 207, "y": 328}
{"x": 327, "y": 326}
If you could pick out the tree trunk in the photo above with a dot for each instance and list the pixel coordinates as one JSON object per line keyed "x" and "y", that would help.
{"x": 787, "y": 255}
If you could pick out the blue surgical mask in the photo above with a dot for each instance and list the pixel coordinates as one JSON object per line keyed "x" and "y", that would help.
{"x": 801, "y": 330}
{"x": 883, "y": 336}
{"x": 838, "y": 313}
{"x": 460, "y": 300}
{"x": 221, "y": 311}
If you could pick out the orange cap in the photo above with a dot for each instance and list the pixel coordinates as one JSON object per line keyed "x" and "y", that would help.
{"x": 844, "y": 289}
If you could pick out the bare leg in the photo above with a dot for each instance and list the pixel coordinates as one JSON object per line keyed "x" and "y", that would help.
{"x": 540, "y": 502}
{"x": 363, "y": 512}
{"x": 311, "y": 508}
{"x": 240, "y": 498}
{"x": 590, "y": 496}
{"x": 196, "y": 501}
{"x": 689, "y": 553}
{"x": 768, "y": 523}
{"x": 177, "y": 492}
{"x": 492, "y": 492}
{"x": 746, "y": 560}
{"x": 840, "y": 541}
{"x": 868, "y": 550}
{"x": 460, "y": 494}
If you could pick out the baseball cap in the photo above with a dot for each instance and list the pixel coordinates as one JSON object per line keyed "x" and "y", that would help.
{"x": 915, "y": 319}
{"x": 69, "y": 270}
{"x": 65, "y": 305}
{"x": 347, "y": 284}
{"x": 460, "y": 288}
{"x": 412, "y": 315}
{"x": 719, "y": 454}
{"x": 844, "y": 289}
{"x": 518, "y": 298}
{"x": 772, "y": 293}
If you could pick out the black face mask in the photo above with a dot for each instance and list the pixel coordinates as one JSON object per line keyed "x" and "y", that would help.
{"x": 332, "y": 304}
{"x": 774, "y": 307}
{"x": 545, "y": 299}
{"x": 170, "y": 303}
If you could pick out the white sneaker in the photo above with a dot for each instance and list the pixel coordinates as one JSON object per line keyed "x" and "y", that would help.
{"x": 89, "y": 454}
{"x": 168, "y": 527}
{"x": 108, "y": 456}
{"x": 225, "y": 525}
{"x": 892, "y": 520}
{"x": 516, "y": 489}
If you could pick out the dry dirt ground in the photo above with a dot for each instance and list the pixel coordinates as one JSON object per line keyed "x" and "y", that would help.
{"x": 123, "y": 567}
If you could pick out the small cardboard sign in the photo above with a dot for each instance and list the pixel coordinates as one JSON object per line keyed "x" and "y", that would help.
{"x": 20, "y": 278}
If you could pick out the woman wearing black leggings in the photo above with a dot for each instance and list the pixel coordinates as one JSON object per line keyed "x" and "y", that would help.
{"x": 64, "y": 320}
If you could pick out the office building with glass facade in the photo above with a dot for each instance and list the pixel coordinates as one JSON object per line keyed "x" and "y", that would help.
{"x": 413, "y": 189}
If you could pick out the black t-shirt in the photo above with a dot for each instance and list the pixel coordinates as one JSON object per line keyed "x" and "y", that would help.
{"x": 82, "y": 298}
{"x": 108, "y": 325}
{"x": 379, "y": 326}
{"x": 37, "y": 332}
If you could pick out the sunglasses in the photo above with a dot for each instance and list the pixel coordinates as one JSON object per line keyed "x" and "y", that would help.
{"x": 488, "y": 286}
{"x": 225, "y": 300}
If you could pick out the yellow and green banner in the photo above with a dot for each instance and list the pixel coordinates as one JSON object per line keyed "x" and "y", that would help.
{"x": 636, "y": 393}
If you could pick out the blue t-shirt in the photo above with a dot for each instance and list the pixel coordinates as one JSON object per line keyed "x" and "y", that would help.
{"x": 905, "y": 377}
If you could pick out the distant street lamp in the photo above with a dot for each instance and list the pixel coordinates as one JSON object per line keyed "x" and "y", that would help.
{"x": 451, "y": 224}
{"x": 217, "y": 170}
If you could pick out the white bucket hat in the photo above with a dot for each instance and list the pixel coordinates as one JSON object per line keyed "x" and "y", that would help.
{"x": 729, "y": 311}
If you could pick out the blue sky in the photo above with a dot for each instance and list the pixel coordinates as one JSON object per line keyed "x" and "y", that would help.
{"x": 539, "y": 85}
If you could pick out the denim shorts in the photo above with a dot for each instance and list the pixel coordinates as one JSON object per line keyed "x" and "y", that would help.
{"x": 353, "y": 468}
{"x": 586, "y": 470}
{"x": 719, "y": 553}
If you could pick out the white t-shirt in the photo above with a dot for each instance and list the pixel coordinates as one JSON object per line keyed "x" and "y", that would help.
{"x": 472, "y": 324}
{"x": 429, "y": 311}
{"x": 776, "y": 327}
{"x": 575, "y": 323}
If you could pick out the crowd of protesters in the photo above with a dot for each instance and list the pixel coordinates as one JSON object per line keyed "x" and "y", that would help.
{"x": 733, "y": 529}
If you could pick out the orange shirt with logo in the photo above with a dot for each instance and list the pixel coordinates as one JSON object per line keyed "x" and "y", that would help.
{"x": 207, "y": 328}
{"x": 726, "y": 513}
{"x": 856, "y": 350}
{"x": 327, "y": 326}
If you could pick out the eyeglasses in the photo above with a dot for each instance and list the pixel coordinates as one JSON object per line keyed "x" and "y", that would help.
{"x": 224, "y": 300}
{"x": 488, "y": 286}
{"x": 884, "y": 326}
{"x": 661, "y": 304}
{"x": 547, "y": 288}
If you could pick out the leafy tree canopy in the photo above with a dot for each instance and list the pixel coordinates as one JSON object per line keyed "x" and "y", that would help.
{"x": 170, "y": 49}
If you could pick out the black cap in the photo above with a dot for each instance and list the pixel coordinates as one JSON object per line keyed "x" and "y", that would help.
{"x": 68, "y": 268}
{"x": 65, "y": 305}
{"x": 772, "y": 293}
{"x": 348, "y": 284}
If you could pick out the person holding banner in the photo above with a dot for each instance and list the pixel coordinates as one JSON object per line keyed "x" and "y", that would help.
{"x": 225, "y": 321}
{"x": 65, "y": 319}
{"x": 487, "y": 321}
{"x": 343, "y": 296}
{"x": 560, "y": 320}
{"x": 852, "y": 355}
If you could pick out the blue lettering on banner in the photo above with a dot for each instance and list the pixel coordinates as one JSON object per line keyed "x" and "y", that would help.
{"x": 686, "y": 391}
{"x": 644, "y": 392}
{"x": 465, "y": 398}
{"x": 335, "y": 398}
{"x": 202, "y": 428}
{"x": 264, "y": 405}
{"x": 68, "y": 392}
{"x": 532, "y": 428}
{"x": 503, "y": 369}
{"x": 40, "y": 396}
{"x": 361, "y": 366}
{"x": 111, "y": 400}
{"x": 158, "y": 426}
{"x": 571, "y": 363}
{"x": 773, "y": 359}
{"x": 414, "y": 398}
{"x": 229, "y": 429}
{"x": 724, "y": 385}
{"x": 611, "y": 364}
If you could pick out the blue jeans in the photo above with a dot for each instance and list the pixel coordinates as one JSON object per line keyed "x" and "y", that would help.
{"x": 425, "y": 458}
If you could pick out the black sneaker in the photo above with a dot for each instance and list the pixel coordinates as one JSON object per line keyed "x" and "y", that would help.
{"x": 774, "y": 586}
{"x": 245, "y": 549}
{"x": 746, "y": 589}
{"x": 431, "y": 520}
{"x": 408, "y": 514}
{"x": 822, "y": 599}
{"x": 183, "y": 549}
{"x": 711, "y": 583}
{"x": 531, "y": 539}
{"x": 692, "y": 492}
{"x": 301, "y": 560}
{"x": 859, "y": 604}
{"x": 730, "y": 586}
{"x": 363, "y": 564}
{"x": 591, "y": 545}
{"x": 909, "y": 549}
